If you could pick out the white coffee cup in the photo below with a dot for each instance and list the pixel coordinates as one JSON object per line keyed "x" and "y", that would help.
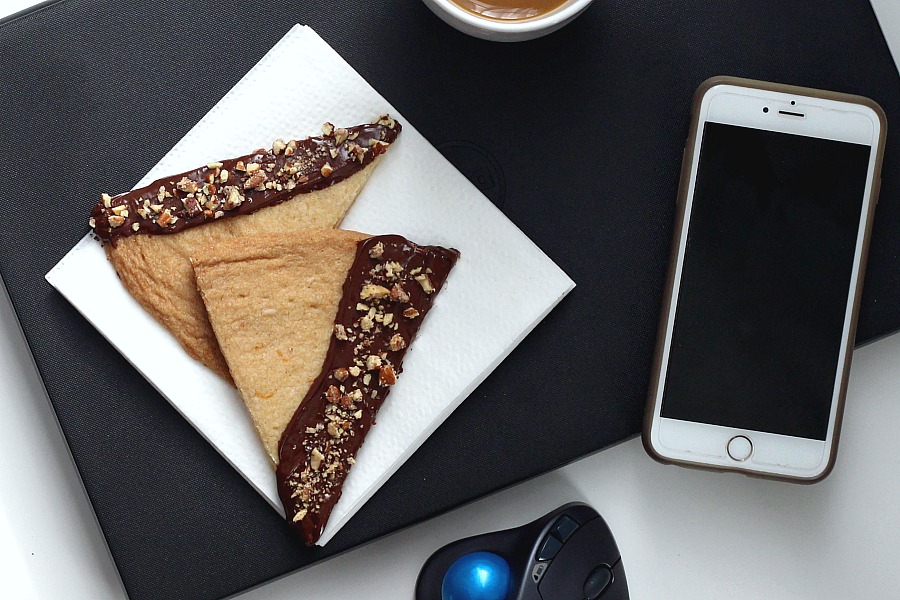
{"x": 506, "y": 31}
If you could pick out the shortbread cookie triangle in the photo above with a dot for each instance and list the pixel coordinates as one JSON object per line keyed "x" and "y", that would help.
{"x": 154, "y": 233}
{"x": 271, "y": 301}
{"x": 314, "y": 328}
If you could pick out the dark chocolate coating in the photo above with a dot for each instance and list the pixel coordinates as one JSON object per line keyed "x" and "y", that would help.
{"x": 364, "y": 358}
{"x": 205, "y": 194}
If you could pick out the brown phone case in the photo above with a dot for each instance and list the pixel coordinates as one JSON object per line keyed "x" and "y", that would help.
{"x": 690, "y": 148}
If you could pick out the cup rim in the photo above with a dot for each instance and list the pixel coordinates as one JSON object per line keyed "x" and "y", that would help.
{"x": 534, "y": 24}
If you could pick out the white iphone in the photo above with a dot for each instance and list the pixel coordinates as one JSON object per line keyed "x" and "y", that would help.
{"x": 778, "y": 191}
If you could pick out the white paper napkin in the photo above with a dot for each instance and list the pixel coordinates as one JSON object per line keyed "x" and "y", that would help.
{"x": 502, "y": 286}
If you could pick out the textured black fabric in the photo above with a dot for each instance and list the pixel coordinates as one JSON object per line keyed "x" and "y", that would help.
{"x": 577, "y": 137}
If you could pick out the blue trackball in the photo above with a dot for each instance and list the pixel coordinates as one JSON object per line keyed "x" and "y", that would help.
{"x": 477, "y": 576}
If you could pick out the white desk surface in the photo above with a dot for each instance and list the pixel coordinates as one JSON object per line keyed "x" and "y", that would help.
{"x": 683, "y": 534}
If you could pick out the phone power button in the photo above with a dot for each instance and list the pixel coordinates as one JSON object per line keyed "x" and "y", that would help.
{"x": 740, "y": 448}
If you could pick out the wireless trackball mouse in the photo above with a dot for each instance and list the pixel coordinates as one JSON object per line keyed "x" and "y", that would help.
{"x": 568, "y": 554}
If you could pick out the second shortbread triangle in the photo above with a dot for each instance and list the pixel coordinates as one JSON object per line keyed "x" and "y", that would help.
{"x": 271, "y": 301}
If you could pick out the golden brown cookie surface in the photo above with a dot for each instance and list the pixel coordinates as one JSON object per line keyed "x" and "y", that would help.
{"x": 156, "y": 269}
{"x": 272, "y": 301}
{"x": 152, "y": 233}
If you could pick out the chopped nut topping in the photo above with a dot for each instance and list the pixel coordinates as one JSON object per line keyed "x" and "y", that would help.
{"x": 373, "y": 361}
{"x": 135, "y": 226}
{"x": 116, "y": 221}
{"x": 377, "y": 250}
{"x": 240, "y": 166}
{"x": 327, "y": 170}
{"x": 341, "y": 374}
{"x": 333, "y": 430}
{"x": 291, "y": 148}
{"x": 256, "y": 179}
{"x": 253, "y": 167}
{"x": 398, "y": 294}
{"x": 355, "y": 371}
{"x": 92, "y": 222}
{"x": 362, "y": 307}
{"x": 214, "y": 165}
{"x": 387, "y": 121}
{"x": 425, "y": 282}
{"x": 164, "y": 219}
{"x": 339, "y": 332}
{"x": 388, "y": 318}
{"x": 333, "y": 152}
{"x": 358, "y": 152}
{"x": 366, "y": 323}
{"x": 223, "y": 175}
{"x": 397, "y": 342}
{"x": 191, "y": 206}
{"x": 315, "y": 459}
{"x": 233, "y": 198}
{"x": 374, "y": 291}
{"x": 340, "y": 135}
{"x": 327, "y": 128}
{"x": 187, "y": 185}
{"x": 278, "y": 146}
{"x": 121, "y": 210}
{"x": 410, "y": 313}
{"x": 106, "y": 199}
{"x": 332, "y": 394}
{"x": 366, "y": 379}
{"x": 386, "y": 375}
{"x": 392, "y": 269}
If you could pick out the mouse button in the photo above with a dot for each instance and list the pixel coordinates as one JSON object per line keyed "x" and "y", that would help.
{"x": 548, "y": 548}
{"x": 597, "y": 582}
{"x": 581, "y": 513}
{"x": 589, "y": 546}
{"x": 619, "y": 588}
{"x": 564, "y": 527}
{"x": 604, "y": 544}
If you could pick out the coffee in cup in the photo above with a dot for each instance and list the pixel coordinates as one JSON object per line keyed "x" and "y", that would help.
{"x": 507, "y": 20}
{"x": 509, "y": 10}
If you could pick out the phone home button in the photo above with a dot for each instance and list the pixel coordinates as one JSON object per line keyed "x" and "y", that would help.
{"x": 740, "y": 448}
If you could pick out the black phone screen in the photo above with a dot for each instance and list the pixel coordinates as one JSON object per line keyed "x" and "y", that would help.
{"x": 765, "y": 281}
